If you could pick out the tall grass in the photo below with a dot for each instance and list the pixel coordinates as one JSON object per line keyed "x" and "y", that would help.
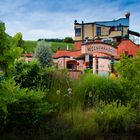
{"x": 106, "y": 119}
{"x": 92, "y": 88}
{"x": 60, "y": 90}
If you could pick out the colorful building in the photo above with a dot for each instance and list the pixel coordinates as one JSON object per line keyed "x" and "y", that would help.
{"x": 98, "y": 45}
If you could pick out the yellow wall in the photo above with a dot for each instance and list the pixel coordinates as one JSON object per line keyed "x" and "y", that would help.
{"x": 90, "y": 31}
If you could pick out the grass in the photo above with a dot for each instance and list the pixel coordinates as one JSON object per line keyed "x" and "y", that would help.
{"x": 29, "y": 46}
{"x": 61, "y": 45}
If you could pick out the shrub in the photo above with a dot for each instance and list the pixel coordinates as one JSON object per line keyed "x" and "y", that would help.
{"x": 20, "y": 107}
{"x": 114, "y": 117}
{"x": 92, "y": 88}
{"x": 106, "y": 119}
{"x": 27, "y": 75}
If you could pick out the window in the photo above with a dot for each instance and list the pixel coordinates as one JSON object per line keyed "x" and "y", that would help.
{"x": 119, "y": 28}
{"x": 78, "y": 32}
{"x": 70, "y": 66}
{"x": 98, "y": 31}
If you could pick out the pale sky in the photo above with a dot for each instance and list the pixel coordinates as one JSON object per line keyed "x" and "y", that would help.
{"x": 54, "y": 18}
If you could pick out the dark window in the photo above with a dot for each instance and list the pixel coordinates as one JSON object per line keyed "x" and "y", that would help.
{"x": 70, "y": 66}
{"x": 98, "y": 31}
{"x": 78, "y": 32}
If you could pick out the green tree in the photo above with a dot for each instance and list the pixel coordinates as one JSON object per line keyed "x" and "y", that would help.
{"x": 9, "y": 50}
{"x": 17, "y": 39}
{"x": 68, "y": 40}
{"x": 43, "y": 53}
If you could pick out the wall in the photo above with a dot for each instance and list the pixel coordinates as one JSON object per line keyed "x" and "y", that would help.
{"x": 88, "y": 31}
{"x": 127, "y": 45}
{"x": 77, "y": 45}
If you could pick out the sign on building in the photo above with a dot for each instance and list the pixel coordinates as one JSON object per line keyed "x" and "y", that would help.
{"x": 99, "y": 48}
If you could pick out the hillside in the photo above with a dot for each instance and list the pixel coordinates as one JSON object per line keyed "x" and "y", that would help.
{"x": 29, "y": 46}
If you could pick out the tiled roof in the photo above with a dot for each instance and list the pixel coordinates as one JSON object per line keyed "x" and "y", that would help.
{"x": 66, "y": 53}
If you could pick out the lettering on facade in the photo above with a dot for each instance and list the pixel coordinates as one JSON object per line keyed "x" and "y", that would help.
{"x": 101, "y": 48}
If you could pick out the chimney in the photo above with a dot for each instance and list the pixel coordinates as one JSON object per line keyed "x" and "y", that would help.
{"x": 127, "y": 14}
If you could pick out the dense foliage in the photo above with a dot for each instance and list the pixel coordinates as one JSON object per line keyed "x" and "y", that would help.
{"x": 21, "y": 107}
{"x": 9, "y": 49}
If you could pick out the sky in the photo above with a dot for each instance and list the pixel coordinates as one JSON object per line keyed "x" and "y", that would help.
{"x": 55, "y": 18}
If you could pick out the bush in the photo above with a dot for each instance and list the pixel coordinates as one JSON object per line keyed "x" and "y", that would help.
{"x": 92, "y": 88}
{"x": 114, "y": 117}
{"x": 27, "y": 75}
{"x": 20, "y": 107}
{"x": 105, "y": 120}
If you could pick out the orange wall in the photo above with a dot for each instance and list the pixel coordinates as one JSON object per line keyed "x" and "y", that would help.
{"x": 127, "y": 45}
{"x": 77, "y": 45}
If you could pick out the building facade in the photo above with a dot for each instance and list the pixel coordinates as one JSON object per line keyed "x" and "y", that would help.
{"x": 114, "y": 30}
{"x": 98, "y": 46}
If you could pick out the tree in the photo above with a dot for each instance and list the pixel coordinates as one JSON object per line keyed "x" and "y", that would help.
{"x": 43, "y": 53}
{"x": 17, "y": 39}
{"x": 9, "y": 50}
{"x": 68, "y": 40}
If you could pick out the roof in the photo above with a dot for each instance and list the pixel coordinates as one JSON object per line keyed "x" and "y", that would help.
{"x": 118, "y": 22}
{"x": 66, "y": 53}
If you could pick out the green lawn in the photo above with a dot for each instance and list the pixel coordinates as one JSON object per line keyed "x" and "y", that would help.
{"x": 29, "y": 46}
